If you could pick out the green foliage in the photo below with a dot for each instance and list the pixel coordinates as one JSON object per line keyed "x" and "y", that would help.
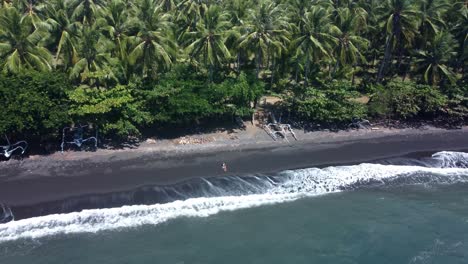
{"x": 135, "y": 62}
{"x": 457, "y": 105}
{"x": 102, "y": 42}
{"x": 242, "y": 92}
{"x": 433, "y": 62}
{"x": 326, "y": 106}
{"x": 180, "y": 102}
{"x": 180, "y": 97}
{"x": 116, "y": 111}
{"x": 341, "y": 86}
{"x": 183, "y": 97}
{"x": 33, "y": 103}
{"x": 207, "y": 41}
{"x": 406, "y": 100}
{"x": 20, "y": 43}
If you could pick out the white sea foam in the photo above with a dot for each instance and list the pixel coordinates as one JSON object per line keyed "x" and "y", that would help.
{"x": 449, "y": 159}
{"x": 296, "y": 184}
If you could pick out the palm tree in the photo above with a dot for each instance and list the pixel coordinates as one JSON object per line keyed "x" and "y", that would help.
{"x": 86, "y": 10}
{"x": 350, "y": 42}
{"x": 153, "y": 46}
{"x": 191, "y": 11}
{"x": 401, "y": 24}
{"x": 298, "y": 9}
{"x": 20, "y": 43}
{"x": 31, "y": 8}
{"x": 118, "y": 23}
{"x": 432, "y": 21}
{"x": 238, "y": 11}
{"x": 63, "y": 33}
{"x": 94, "y": 65}
{"x": 317, "y": 39}
{"x": 208, "y": 41}
{"x": 373, "y": 32}
{"x": 168, "y": 5}
{"x": 463, "y": 53}
{"x": 433, "y": 62}
{"x": 265, "y": 33}
{"x": 457, "y": 17}
{"x": 5, "y": 3}
{"x": 357, "y": 9}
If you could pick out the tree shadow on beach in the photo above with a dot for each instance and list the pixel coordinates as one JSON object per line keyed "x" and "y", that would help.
{"x": 129, "y": 143}
{"x": 203, "y": 127}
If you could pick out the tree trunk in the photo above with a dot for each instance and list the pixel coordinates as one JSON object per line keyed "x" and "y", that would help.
{"x": 374, "y": 59}
{"x": 268, "y": 57}
{"x": 306, "y": 75}
{"x": 296, "y": 77}
{"x": 397, "y": 33}
{"x": 258, "y": 63}
{"x": 211, "y": 73}
{"x": 257, "y": 68}
{"x": 354, "y": 75}
{"x": 463, "y": 72}
{"x": 400, "y": 52}
{"x": 195, "y": 21}
{"x": 400, "y": 56}
{"x": 386, "y": 58}
{"x": 238, "y": 61}
{"x": 272, "y": 73}
{"x": 408, "y": 67}
{"x": 335, "y": 67}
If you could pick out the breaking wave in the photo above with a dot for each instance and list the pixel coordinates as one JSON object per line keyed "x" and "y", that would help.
{"x": 233, "y": 193}
{"x": 447, "y": 159}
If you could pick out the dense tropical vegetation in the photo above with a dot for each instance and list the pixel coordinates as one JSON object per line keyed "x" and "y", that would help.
{"x": 133, "y": 64}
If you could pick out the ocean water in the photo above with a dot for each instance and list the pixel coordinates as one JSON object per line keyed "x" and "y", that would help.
{"x": 398, "y": 211}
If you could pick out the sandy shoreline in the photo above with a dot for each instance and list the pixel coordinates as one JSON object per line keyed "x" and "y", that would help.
{"x": 61, "y": 176}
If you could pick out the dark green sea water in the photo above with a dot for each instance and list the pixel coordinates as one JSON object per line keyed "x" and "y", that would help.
{"x": 377, "y": 225}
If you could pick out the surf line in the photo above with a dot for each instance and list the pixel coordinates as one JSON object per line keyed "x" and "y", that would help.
{"x": 290, "y": 186}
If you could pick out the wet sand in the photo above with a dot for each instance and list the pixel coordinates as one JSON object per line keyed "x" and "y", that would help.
{"x": 53, "y": 178}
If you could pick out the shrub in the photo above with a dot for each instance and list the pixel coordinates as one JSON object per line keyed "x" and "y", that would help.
{"x": 181, "y": 97}
{"x": 456, "y": 110}
{"x": 34, "y": 104}
{"x": 242, "y": 92}
{"x": 406, "y": 100}
{"x": 326, "y": 106}
{"x": 116, "y": 111}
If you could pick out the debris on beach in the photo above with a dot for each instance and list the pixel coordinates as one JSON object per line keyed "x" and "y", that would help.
{"x": 151, "y": 141}
{"x": 193, "y": 140}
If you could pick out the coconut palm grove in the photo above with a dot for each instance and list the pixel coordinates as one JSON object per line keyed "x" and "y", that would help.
{"x": 136, "y": 66}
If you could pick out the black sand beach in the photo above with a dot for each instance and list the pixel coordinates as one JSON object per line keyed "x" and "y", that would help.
{"x": 34, "y": 181}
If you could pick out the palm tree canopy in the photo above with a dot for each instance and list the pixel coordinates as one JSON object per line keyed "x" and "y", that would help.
{"x": 401, "y": 19}
{"x": 317, "y": 39}
{"x": 433, "y": 62}
{"x": 208, "y": 41}
{"x": 140, "y": 38}
{"x": 20, "y": 40}
{"x": 153, "y": 46}
{"x": 350, "y": 43}
{"x": 266, "y": 31}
